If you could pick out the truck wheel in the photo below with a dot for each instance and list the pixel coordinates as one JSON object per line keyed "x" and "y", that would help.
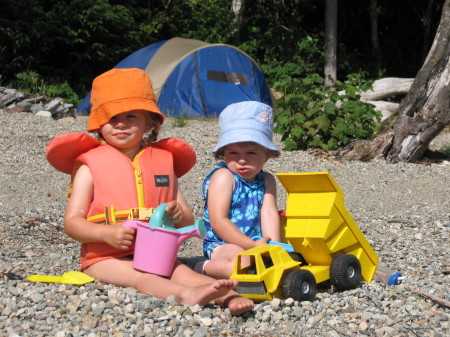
{"x": 297, "y": 257}
{"x": 345, "y": 272}
{"x": 299, "y": 285}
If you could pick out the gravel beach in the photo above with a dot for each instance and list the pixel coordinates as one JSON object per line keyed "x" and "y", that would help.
{"x": 402, "y": 209}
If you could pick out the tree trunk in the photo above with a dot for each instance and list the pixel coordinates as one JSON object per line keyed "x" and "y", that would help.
{"x": 424, "y": 112}
{"x": 373, "y": 13}
{"x": 427, "y": 27}
{"x": 237, "y": 7}
{"x": 330, "y": 41}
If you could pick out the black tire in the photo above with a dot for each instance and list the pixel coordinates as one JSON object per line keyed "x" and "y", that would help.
{"x": 345, "y": 272}
{"x": 300, "y": 285}
{"x": 298, "y": 258}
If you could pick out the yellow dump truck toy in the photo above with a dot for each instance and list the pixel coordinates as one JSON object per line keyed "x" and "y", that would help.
{"x": 327, "y": 244}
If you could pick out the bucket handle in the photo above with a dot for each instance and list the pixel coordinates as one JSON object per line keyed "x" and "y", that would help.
{"x": 159, "y": 218}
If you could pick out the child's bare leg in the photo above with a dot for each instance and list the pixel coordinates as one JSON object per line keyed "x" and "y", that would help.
{"x": 120, "y": 272}
{"x": 235, "y": 302}
{"x": 222, "y": 261}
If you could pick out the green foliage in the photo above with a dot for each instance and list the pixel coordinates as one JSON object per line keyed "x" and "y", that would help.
{"x": 67, "y": 40}
{"x": 445, "y": 149}
{"x": 180, "y": 121}
{"x": 63, "y": 90}
{"x": 31, "y": 82}
{"x": 273, "y": 29}
{"x": 307, "y": 60}
{"x": 311, "y": 114}
{"x": 205, "y": 20}
{"x": 28, "y": 82}
{"x": 73, "y": 41}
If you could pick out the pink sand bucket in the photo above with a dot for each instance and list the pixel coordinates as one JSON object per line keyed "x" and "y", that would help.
{"x": 157, "y": 242}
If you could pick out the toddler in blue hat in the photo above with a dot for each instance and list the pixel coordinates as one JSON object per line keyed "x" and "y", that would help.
{"x": 240, "y": 198}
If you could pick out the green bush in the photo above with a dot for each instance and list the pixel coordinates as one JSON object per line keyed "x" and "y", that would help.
{"x": 311, "y": 114}
{"x": 31, "y": 82}
{"x": 308, "y": 59}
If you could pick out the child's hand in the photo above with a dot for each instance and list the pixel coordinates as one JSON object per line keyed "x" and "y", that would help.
{"x": 262, "y": 241}
{"x": 174, "y": 212}
{"x": 118, "y": 236}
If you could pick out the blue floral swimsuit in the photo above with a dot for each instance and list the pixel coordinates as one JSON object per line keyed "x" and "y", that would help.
{"x": 245, "y": 210}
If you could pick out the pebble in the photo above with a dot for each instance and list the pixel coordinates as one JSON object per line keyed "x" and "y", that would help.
{"x": 402, "y": 209}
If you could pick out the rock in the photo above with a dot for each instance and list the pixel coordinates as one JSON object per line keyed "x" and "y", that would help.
{"x": 44, "y": 113}
{"x": 15, "y": 101}
{"x": 8, "y": 96}
{"x": 402, "y": 209}
{"x": 68, "y": 119}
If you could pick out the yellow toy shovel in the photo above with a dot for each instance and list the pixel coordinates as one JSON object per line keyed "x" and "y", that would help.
{"x": 71, "y": 277}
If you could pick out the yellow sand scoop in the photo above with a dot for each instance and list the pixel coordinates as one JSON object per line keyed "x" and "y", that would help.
{"x": 71, "y": 277}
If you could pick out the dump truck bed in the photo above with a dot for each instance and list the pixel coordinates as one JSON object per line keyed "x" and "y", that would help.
{"x": 318, "y": 225}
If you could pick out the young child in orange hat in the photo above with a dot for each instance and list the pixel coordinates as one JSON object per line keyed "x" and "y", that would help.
{"x": 127, "y": 172}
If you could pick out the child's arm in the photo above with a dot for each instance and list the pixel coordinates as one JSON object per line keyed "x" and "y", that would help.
{"x": 220, "y": 191}
{"x": 270, "y": 219}
{"x": 75, "y": 223}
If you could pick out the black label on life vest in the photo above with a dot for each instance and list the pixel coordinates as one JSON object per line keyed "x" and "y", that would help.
{"x": 162, "y": 181}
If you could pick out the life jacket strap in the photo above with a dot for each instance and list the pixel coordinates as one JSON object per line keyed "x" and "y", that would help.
{"x": 113, "y": 216}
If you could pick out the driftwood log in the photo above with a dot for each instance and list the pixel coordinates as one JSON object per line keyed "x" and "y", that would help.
{"x": 387, "y": 94}
{"x": 387, "y": 88}
{"x": 442, "y": 302}
{"x": 386, "y": 108}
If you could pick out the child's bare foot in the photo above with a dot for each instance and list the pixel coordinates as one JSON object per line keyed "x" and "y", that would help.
{"x": 204, "y": 294}
{"x": 238, "y": 304}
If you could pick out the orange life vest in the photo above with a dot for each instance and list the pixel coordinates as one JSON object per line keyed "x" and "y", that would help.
{"x": 121, "y": 185}
{"x": 146, "y": 182}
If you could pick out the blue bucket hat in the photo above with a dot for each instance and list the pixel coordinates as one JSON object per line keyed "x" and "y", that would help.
{"x": 248, "y": 121}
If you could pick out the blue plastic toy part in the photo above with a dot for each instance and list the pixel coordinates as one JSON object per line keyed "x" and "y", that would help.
{"x": 159, "y": 218}
{"x": 287, "y": 247}
{"x": 395, "y": 279}
{"x": 198, "y": 224}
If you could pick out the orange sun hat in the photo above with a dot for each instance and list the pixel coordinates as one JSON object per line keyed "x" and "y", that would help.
{"x": 118, "y": 91}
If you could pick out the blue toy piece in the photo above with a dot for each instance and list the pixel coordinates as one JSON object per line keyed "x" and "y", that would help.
{"x": 159, "y": 219}
{"x": 287, "y": 247}
{"x": 395, "y": 279}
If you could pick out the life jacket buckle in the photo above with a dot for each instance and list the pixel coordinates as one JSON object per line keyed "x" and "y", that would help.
{"x": 141, "y": 213}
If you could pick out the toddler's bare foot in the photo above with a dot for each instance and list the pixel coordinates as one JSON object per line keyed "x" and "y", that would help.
{"x": 204, "y": 294}
{"x": 238, "y": 304}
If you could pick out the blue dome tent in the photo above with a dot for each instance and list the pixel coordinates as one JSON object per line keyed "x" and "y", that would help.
{"x": 196, "y": 79}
